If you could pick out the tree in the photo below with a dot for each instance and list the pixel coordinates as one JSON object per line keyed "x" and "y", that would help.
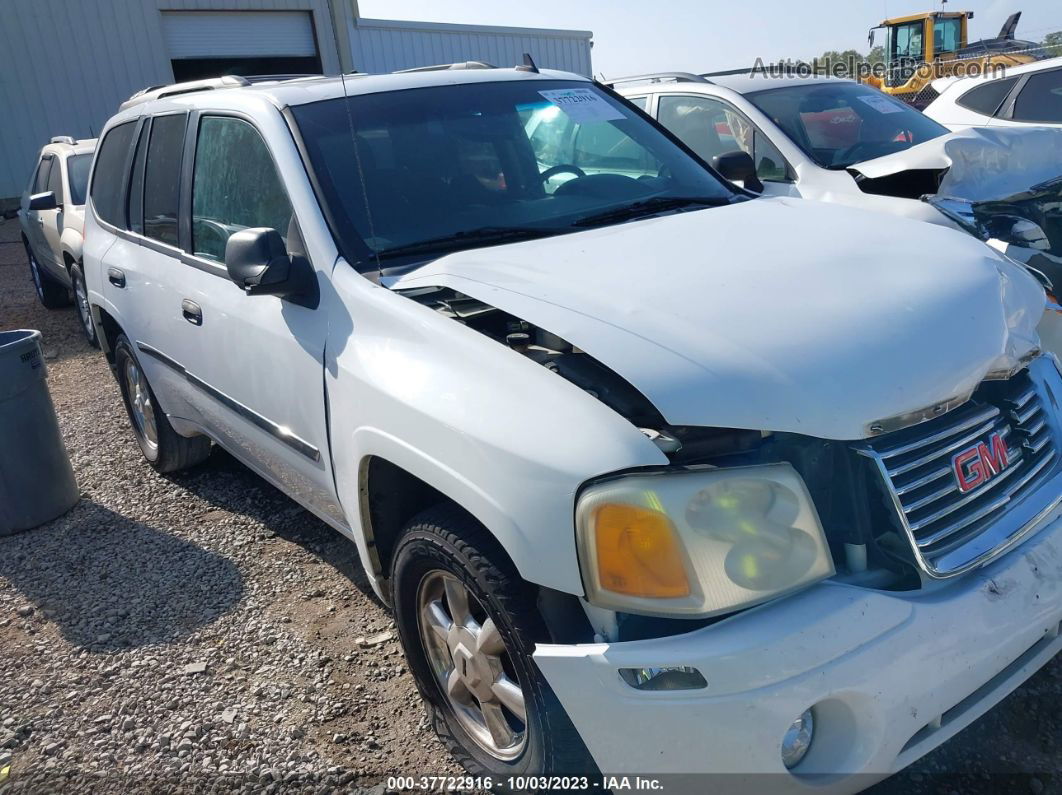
{"x": 1053, "y": 44}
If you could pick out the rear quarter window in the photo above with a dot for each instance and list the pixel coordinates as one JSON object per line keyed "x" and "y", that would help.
{"x": 988, "y": 97}
{"x": 109, "y": 174}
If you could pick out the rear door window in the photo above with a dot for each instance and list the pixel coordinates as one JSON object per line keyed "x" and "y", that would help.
{"x": 136, "y": 182}
{"x": 987, "y": 98}
{"x": 235, "y": 186}
{"x": 1040, "y": 99}
{"x": 162, "y": 178}
{"x": 108, "y": 176}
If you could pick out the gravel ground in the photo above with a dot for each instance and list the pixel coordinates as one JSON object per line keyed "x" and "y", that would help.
{"x": 202, "y": 632}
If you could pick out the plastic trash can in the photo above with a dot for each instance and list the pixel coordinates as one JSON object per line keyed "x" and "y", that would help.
{"x": 36, "y": 480}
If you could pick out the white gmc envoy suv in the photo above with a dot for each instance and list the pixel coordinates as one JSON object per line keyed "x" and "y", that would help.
{"x": 658, "y": 477}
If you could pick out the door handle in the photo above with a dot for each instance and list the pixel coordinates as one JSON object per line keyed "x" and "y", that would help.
{"x": 116, "y": 277}
{"x": 192, "y": 312}
{"x": 40, "y": 220}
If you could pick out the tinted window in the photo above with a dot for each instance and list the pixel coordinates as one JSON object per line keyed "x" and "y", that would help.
{"x": 55, "y": 180}
{"x": 409, "y": 175}
{"x": 987, "y": 98}
{"x": 108, "y": 176}
{"x": 838, "y": 123}
{"x": 235, "y": 186}
{"x": 40, "y": 180}
{"x": 136, "y": 182}
{"x": 1041, "y": 98}
{"x": 162, "y": 178}
{"x": 77, "y": 171}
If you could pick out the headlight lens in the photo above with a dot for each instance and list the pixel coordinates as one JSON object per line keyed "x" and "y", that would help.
{"x": 699, "y": 542}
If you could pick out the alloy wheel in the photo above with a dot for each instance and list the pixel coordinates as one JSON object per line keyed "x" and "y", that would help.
{"x": 35, "y": 271}
{"x": 83, "y": 310}
{"x": 471, "y": 665}
{"x": 140, "y": 405}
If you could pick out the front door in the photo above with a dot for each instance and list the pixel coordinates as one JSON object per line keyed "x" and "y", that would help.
{"x": 50, "y": 222}
{"x": 256, "y": 363}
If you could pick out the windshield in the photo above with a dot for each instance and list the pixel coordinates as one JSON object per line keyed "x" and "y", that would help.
{"x": 77, "y": 171}
{"x": 433, "y": 170}
{"x": 838, "y": 124}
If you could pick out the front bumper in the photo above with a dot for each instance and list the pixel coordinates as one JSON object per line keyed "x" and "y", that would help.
{"x": 889, "y": 676}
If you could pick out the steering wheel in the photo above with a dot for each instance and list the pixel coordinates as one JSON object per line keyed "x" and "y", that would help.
{"x": 561, "y": 168}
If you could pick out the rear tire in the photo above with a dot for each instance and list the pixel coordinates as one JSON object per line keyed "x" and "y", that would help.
{"x": 524, "y": 730}
{"x": 50, "y": 293}
{"x": 81, "y": 303}
{"x": 162, "y": 446}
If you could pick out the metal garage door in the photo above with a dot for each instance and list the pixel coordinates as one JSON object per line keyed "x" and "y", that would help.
{"x": 239, "y": 34}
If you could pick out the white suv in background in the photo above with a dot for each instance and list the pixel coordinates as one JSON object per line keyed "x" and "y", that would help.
{"x": 657, "y": 476}
{"x": 1021, "y": 96}
{"x": 52, "y": 215}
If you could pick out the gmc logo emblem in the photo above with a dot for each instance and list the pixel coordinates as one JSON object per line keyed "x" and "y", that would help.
{"x": 980, "y": 463}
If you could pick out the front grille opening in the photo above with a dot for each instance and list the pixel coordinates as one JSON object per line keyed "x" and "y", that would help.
{"x": 917, "y": 472}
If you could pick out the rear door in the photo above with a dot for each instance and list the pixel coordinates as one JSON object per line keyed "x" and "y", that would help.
{"x": 256, "y": 363}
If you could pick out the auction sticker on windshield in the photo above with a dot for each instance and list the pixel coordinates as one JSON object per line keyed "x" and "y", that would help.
{"x": 883, "y": 104}
{"x": 582, "y": 105}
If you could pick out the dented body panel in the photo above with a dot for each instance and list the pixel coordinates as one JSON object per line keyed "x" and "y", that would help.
{"x": 719, "y": 325}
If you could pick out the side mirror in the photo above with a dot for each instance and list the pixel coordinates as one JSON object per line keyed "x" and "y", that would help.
{"x": 260, "y": 264}
{"x": 43, "y": 201}
{"x": 738, "y": 167}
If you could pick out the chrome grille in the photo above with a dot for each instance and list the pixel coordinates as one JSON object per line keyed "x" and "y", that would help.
{"x": 944, "y": 524}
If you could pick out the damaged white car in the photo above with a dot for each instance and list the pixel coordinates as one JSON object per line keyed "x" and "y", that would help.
{"x": 839, "y": 141}
{"x": 657, "y": 477}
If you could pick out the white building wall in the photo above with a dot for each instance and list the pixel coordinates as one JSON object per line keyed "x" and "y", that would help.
{"x": 379, "y": 45}
{"x": 68, "y": 64}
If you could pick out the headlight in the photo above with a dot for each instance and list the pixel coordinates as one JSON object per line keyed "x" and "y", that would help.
{"x": 699, "y": 542}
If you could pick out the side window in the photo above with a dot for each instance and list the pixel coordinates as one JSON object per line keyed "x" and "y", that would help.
{"x": 40, "y": 179}
{"x": 711, "y": 127}
{"x": 1040, "y": 99}
{"x": 162, "y": 178}
{"x": 55, "y": 180}
{"x": 108, "y": 175}
{"x": 234, "y": 186}
{"x": 136, "y": 182}
{"x": 639, "y": 102}
{"x": 988, "y": 96}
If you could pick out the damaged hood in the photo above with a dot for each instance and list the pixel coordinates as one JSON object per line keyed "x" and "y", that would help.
{"x": 774, "y": 314}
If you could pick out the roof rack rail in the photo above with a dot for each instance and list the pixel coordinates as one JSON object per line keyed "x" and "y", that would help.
{"x": 209, "y": 84}
{"x": 252, "y": 79}
{"x": 659, "y": 77}
{"x": 442, "y": 67}
{"x": 62, "y": 139}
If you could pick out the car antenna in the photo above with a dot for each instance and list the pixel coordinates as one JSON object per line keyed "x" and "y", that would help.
{"x": 528, "y": 65}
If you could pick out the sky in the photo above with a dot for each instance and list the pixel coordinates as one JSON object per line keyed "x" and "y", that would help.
{"x": 705, "y": 35}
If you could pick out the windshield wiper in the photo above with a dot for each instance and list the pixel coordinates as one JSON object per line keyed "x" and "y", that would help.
{"x": 470, "y": 238}
{"x": 645, "y": 207}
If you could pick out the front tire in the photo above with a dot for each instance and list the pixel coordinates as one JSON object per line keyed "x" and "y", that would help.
{"x": 50, "y": 293}
{"x": 469, "y": 626}
{"x": 163, "y": 447}
{"x": 81, "y": 303}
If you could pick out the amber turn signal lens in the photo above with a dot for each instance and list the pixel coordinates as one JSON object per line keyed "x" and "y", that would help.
{"x": 638, "y": 552}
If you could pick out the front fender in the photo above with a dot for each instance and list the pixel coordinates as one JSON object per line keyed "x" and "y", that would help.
{"x": 498, "y": 434}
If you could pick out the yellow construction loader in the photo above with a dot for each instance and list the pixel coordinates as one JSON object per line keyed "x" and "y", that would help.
{"x": 920, "y": 48}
